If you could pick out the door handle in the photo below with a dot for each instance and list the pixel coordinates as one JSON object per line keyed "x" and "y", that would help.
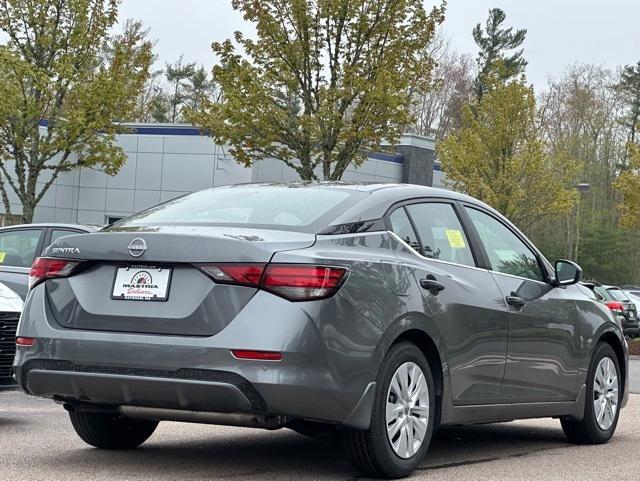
{"x": 431, "y": 284}
{"x": 515, "y": 301}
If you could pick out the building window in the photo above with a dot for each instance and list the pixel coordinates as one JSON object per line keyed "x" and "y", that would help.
{"x": 112, "y": 219}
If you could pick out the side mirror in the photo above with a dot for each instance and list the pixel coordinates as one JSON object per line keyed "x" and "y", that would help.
{"x": 567, "y": 273}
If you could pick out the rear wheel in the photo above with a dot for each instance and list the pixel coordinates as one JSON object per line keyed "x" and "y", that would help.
{"x": 602, "y": 403}
{"x": 402, "y": 419}
{"x": 110, "y": 431}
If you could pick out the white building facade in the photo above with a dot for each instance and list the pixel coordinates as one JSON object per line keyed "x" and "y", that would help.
{"x": 165, "y": 161}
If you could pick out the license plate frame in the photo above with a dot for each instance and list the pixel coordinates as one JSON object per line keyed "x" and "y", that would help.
{"x": 136, "y": 290}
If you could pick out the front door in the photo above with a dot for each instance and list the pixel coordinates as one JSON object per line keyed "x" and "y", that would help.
{"x": 462, "y": 299}
{"x": 542, "y": 358}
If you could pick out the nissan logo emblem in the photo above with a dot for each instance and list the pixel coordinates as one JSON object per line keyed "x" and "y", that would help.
{"x": 137, "y": 247}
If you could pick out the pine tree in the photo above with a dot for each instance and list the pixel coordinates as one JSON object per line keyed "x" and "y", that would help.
{"x": 177, "y": 74}
{"x": 494, "y": 41}
{"x": 629, "y": 88}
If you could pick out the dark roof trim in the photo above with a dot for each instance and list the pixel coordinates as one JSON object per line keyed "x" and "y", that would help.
{"x": 374, "y": 225}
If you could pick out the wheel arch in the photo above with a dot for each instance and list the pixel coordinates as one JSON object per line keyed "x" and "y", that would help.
{"x": 427, "y": 345}
{"x": 614, "y": 341}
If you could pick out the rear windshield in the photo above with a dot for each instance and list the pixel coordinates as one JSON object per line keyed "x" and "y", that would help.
{"x": 603, "y": 292}
{"x": 283, "y": 207}
{"x": 618, "y": 295}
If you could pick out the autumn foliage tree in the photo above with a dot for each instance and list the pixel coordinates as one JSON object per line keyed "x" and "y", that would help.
{"x": 628, "y": 183}
{"x": 60, "y": 93}
{"x": 323, "y": 82}
{"x": 499, "y": 157}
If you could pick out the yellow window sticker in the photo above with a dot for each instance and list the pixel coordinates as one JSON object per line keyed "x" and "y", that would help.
{"x": 455, "y": 238}
{"x": 2, "y": 254}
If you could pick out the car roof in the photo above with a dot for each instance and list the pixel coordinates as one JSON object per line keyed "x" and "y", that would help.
{"x": 401, "y": 189}
{"x": 53, "y": 225}
{"x": 375, "y": 205}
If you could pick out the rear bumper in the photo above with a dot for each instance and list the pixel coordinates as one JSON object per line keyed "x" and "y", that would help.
{"x": 188, "y": 389}
{"x": 311, "y": 381}
{"x": 631, "y": 327}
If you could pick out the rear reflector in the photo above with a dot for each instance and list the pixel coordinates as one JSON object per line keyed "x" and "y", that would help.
{"x": 25, "y": 341}
{"x": 257, "y": 355}
{"x": 44, "y": 268}
{"x": 295, "y": 282}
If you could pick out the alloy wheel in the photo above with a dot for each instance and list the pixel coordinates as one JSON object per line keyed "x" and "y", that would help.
{"x": 605, "y": 393}
{"x": 407, "y": 410}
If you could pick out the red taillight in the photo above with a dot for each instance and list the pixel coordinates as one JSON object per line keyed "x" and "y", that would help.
{"x": 296, "y": 282}
{"x": 257, "y": 355}
{"x": 615, "y": 306}
{"x": 302, "y": 282}
{"x": 25, "y": 341}
{"x": 242, "y": 274}
{"x": 44, "y": 268}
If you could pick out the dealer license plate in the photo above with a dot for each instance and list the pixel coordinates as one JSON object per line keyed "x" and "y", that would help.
{"x": 142, "y": 283}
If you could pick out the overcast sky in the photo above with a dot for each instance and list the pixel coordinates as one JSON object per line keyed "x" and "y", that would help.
{"x": 560, "y": 32}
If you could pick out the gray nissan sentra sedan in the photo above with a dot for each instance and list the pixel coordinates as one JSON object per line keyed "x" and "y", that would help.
{"x": 376, "y": 312}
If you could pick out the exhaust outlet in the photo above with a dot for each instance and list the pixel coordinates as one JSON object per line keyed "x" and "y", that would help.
{"x": 224, "y": 419}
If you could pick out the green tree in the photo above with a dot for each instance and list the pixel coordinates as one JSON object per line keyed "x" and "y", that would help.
{"x": 200, "y": 87}
{"x": 605, "y": 255}
{"x": 493, "y": 62}
{"x": 178, "y": 75}
{"x": 53, "y": 70}
{"x": 499, "y": 157}
{"x": 628, "y": 183}
{"x": 578, "y": 120}
{"x": 629, "y": 88}
{"x": 323, "y": 82}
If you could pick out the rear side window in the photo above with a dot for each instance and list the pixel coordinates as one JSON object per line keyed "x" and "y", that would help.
{"x": 440, "y": 233}
{"x": 260, "y": 206}
{"x": 401, "y": 226}
{"x": 57, "y": 233}
{"x": 618, "y": 295}
{"x": 604, "y": 293}
{"x": 18, "y": 247}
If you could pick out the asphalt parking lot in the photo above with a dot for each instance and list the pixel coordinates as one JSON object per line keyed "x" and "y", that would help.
{"x": 38, "y": 443}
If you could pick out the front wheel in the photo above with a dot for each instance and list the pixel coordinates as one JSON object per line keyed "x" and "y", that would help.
{"x": 402, "y": 418}
{"x": 602, "y": 405}
{"x": 110, "y": 431}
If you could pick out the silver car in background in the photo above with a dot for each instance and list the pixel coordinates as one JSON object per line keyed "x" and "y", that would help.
{"x": 20, "y": 244}
{"x": 376, "y": 312}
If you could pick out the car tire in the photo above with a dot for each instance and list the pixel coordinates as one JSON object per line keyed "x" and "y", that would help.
{"x": 589, "y": 430}
{"x": 373, "y": 450}
{"x": 110, "y": 431}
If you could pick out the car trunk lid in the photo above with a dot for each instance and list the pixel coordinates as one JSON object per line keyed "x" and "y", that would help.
{"x": 193, "y": 304}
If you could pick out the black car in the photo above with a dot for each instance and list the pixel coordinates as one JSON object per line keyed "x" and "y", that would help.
{"x": 614, "y": 298}
{"x": 20, "y": 244}
{"x": 10, "y": 308}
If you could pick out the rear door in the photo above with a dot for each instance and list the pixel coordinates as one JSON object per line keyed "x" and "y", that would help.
{"x": 461, "y": 298}
{"x": 18, "y": 248}
{"x": 542, "y": 360}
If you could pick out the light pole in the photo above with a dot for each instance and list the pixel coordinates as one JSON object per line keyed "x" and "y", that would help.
{"x": 583, "y": 188}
